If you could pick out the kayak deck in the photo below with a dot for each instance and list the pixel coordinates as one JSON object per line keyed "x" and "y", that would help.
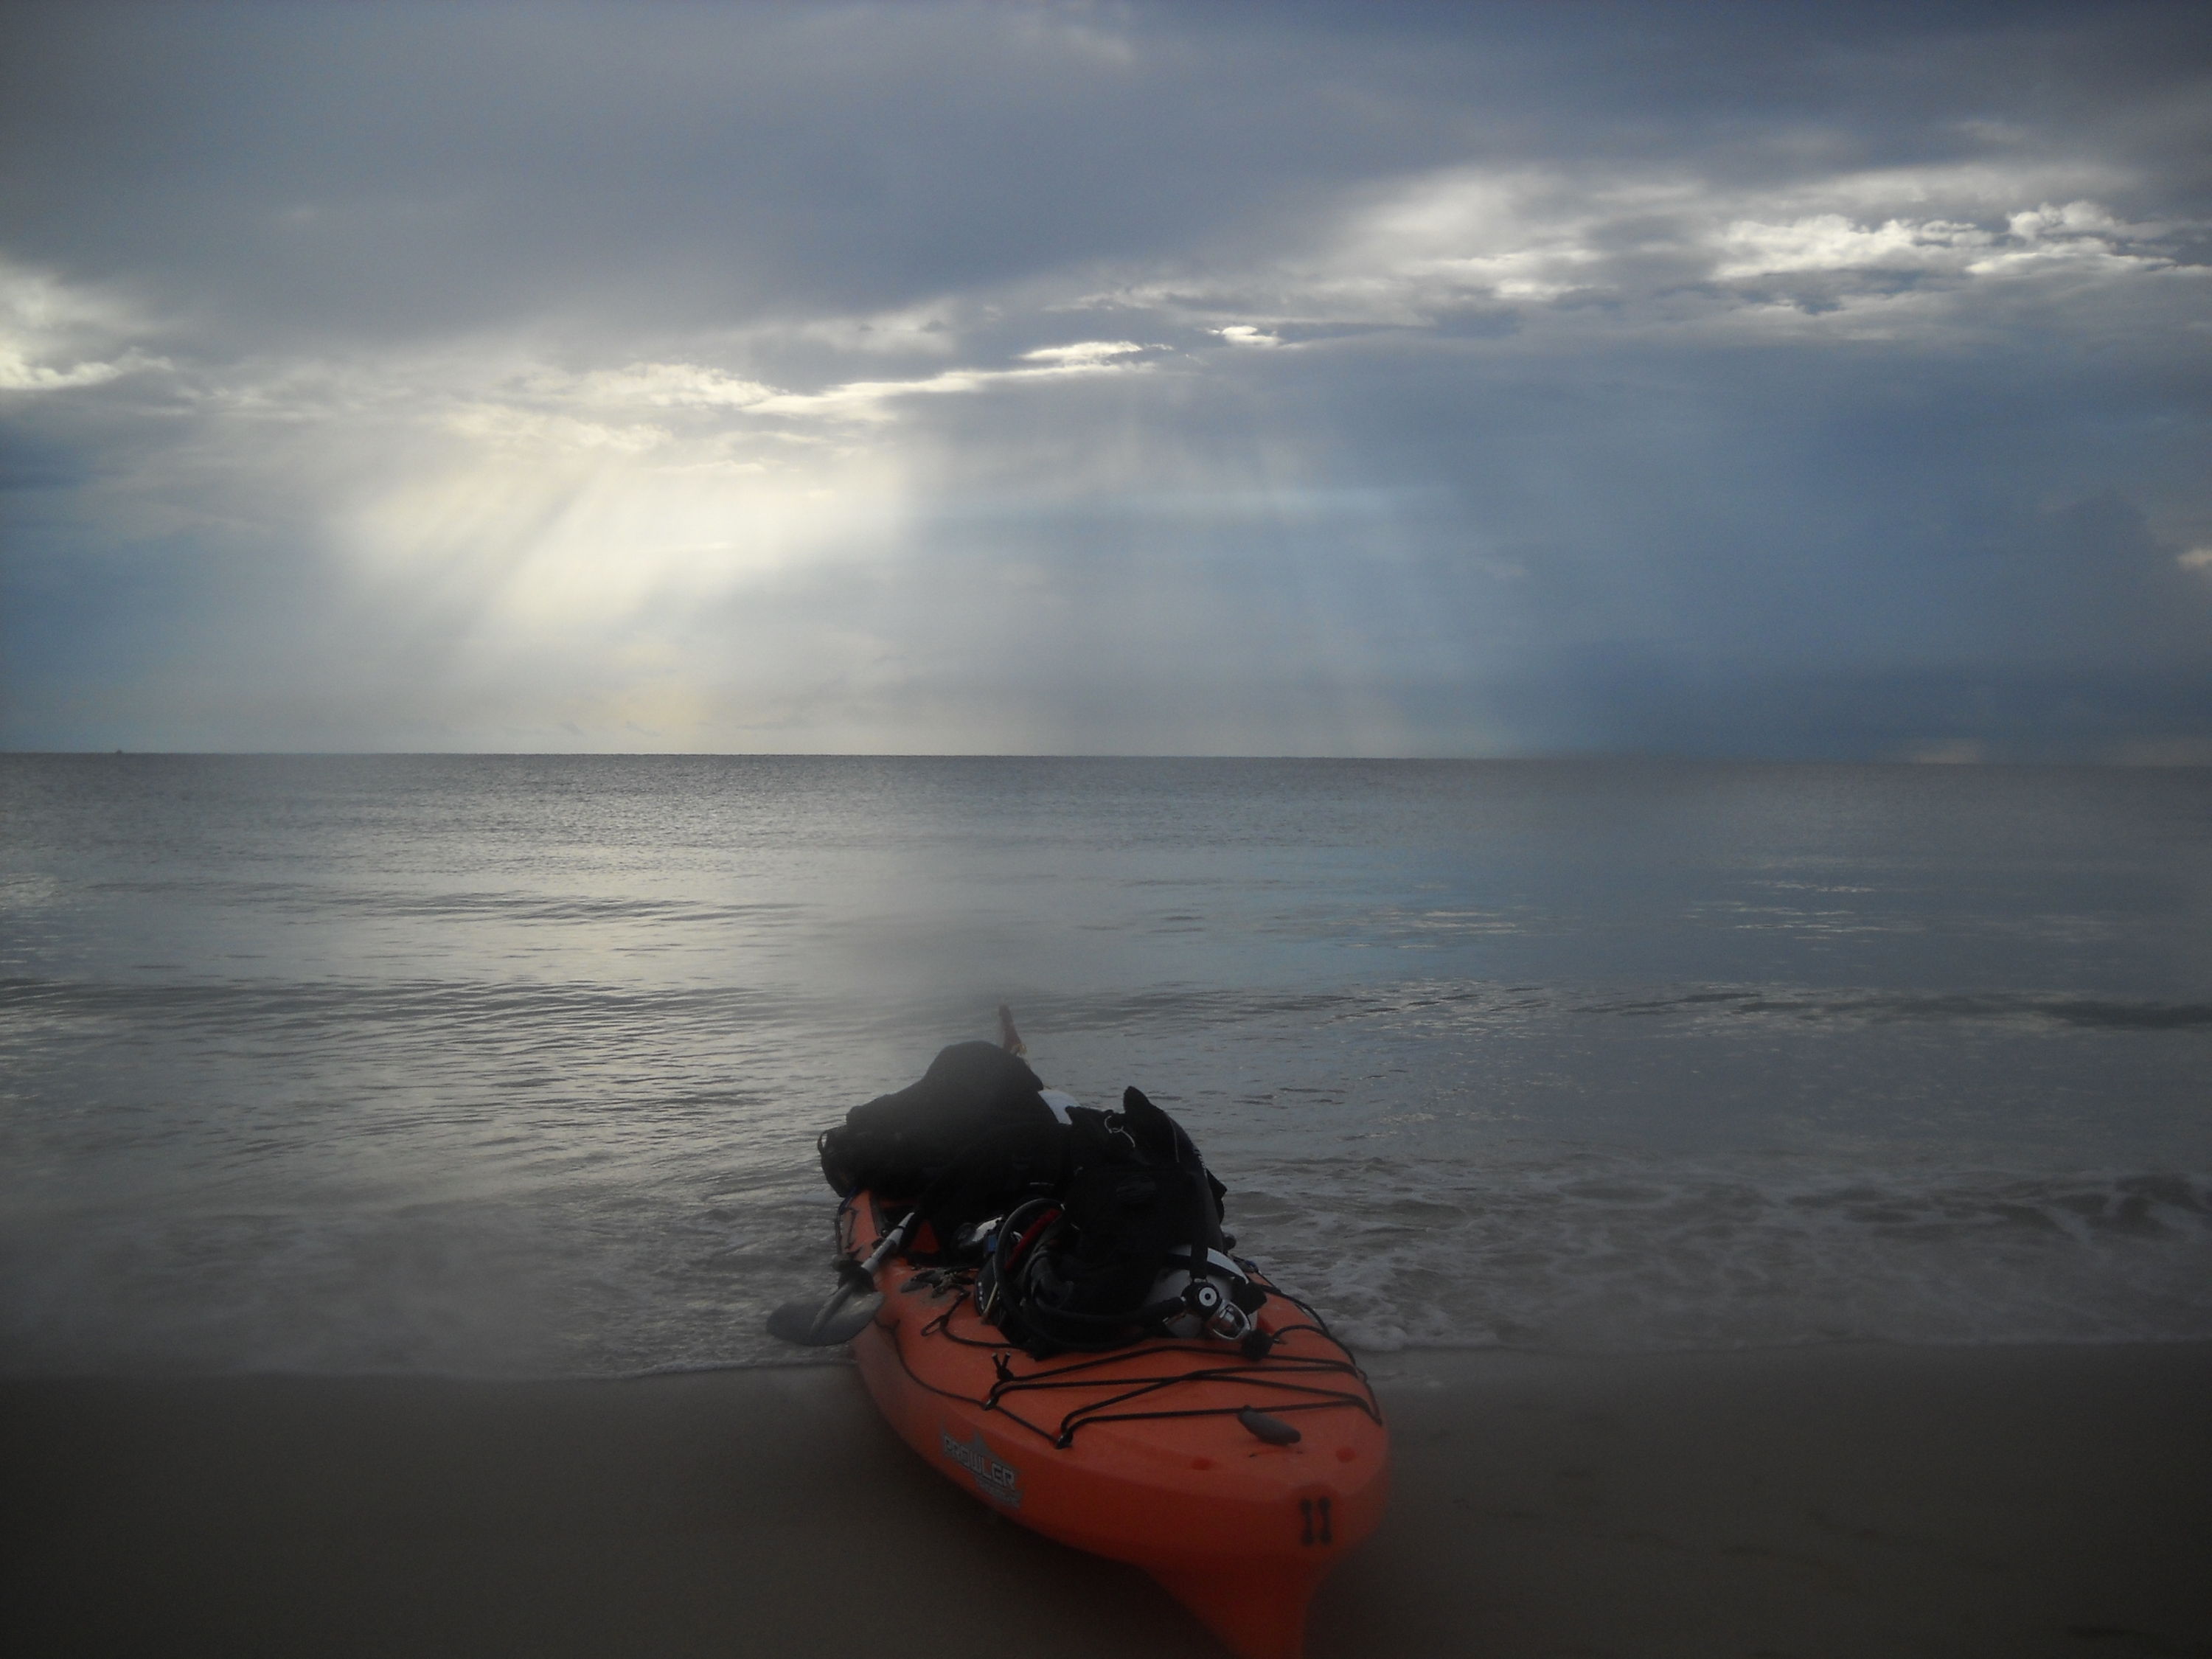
{"x": 1176, "y": 1456}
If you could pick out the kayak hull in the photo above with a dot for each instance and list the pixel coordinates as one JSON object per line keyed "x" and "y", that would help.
{"x": 1140, "y": 1455}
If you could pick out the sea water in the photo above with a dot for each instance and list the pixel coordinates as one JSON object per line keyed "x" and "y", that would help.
{"x": 514, "y": 1065}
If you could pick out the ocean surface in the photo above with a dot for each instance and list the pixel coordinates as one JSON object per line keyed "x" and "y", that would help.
{"x": 514, "y": 1066}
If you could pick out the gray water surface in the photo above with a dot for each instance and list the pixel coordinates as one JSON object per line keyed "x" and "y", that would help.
{"x": 515, "y": 1064}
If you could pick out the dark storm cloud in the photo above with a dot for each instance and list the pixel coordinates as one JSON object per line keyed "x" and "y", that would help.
{"x": 399, "y": 169}
{"x": 1817, "y": 379}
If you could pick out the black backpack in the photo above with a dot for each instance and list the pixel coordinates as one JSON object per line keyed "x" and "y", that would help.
{"x": 1130, "y": 1247}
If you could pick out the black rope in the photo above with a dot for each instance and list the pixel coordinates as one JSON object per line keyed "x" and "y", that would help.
{"x": 1084, "y": 1419}
{"x": 1275, "y": 1378}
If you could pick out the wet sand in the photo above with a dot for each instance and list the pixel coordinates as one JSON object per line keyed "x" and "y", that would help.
{"x": 1845, "y": 1501}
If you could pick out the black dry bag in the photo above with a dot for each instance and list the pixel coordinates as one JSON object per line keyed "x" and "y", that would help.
{"x": 968, "y": 1142}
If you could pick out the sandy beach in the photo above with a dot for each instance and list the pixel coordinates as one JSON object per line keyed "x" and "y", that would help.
{"x": 1840, "y": 1501}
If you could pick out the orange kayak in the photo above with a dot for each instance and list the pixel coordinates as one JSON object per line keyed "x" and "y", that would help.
{"x": 1236, "y": 1478}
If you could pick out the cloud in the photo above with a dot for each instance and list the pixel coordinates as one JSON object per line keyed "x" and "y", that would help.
{"x": 54, "y": 337}
{"x": 1085, "y": 354}
{"x": 666, "y": 385}
{"x": 1667, "y": 253}
{"x": 1159, "y": 377}
{"x": 872, "y": 400}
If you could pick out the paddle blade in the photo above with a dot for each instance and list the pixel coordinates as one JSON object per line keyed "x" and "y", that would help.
{"x": 829, "y": 1325}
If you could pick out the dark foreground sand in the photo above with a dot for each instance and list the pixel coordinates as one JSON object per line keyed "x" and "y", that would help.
{"x": 1847, "y": 1501}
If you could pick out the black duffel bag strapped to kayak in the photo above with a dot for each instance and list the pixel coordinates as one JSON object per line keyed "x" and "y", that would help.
{"x": 966, "y": 1143}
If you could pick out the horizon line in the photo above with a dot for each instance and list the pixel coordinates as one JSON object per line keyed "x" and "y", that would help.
{"x": 1555, "y": 757}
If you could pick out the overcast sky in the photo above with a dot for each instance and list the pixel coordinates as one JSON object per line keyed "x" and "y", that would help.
{"x": 1762, "y": 379}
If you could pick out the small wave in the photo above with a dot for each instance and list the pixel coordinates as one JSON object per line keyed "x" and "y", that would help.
{"x": 1600, "y": 1253}
{"x": 1875, "y": 1006}
{"x": 262, "y": 1002}
{"x": 1414, "y": 1003}
{"x": 1577, "y": 1252}
{"x": 1178, "y": 1009}
{"x": 310, "y": 899}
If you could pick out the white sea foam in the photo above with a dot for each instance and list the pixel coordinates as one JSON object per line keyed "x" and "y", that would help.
{"x": 1597, "y": 1253}
{"x": 1585, "y": 1253}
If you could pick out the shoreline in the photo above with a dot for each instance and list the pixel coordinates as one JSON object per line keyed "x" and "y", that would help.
{"x": 1846, "y": 1499}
